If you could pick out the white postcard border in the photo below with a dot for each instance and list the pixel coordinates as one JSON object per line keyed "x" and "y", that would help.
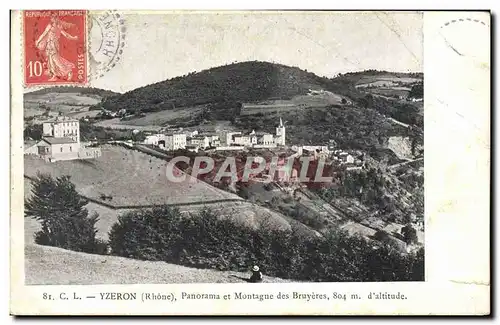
{"x": 457, "y": 213}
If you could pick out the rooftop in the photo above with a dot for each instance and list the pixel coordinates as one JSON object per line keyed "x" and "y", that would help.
{"x": 234, "y": 136}
{"x": 260, "y": 133}
{"x": 52, "y": 140}
{"x": 29, "y": 143}
{"x": 174, "y": 133}
{"x": 198, "y": 137}
{"x": 61, "y": 119}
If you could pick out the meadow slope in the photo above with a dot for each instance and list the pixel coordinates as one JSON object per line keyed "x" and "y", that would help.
{"x": 137, "y": 180}
{"x": 55, "y": 266}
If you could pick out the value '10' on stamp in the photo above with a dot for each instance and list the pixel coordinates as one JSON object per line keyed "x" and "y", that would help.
{"x": 55, "y": 47}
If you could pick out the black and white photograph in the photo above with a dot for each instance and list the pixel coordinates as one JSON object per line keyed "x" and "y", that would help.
{"x": 287, "y": 147}
{"x": 249, "y": 162}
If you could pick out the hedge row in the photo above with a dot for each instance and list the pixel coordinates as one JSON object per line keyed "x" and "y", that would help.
{"x": 208, "y": 241}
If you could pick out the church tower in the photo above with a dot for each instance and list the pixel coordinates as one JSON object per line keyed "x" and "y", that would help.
{"x": 280, "y": 134}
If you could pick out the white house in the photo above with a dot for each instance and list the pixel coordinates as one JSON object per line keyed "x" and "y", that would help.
{"x": 213, "y": 139}
{"x": 200, "y": 141}
{"x": 242, "y": 139}
{"x": 61, "y": 141}
{"x": 175, "y": 141}
{"x": 346, "y": 158}
{"x": 154, "y": 139}
{"x": 229, "y": 137}
{"x": 62, "y": 127}
{"x": 265, "y": 139}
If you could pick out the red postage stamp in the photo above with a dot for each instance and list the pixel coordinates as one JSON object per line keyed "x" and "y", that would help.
{"x": 55, "y": 45}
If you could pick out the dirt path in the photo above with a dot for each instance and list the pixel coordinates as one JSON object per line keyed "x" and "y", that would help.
{"x": 405, "y": 163}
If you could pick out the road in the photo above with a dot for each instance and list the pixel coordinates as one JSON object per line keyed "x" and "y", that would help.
{"x": 398, "y": 122}
{"x": 405, "y": 163}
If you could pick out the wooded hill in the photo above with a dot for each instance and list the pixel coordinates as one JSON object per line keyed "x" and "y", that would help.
{"x": 246, "y": 81}
{"x": 72, "y": 89}
{"x": 226, "y": 86}
{"x": 239, "y": 82}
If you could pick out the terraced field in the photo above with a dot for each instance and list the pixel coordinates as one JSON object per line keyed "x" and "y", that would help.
{"x": 137, "y": 180}
{"x": 130, "y": 177}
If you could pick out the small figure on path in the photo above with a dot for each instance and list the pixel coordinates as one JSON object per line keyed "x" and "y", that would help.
{"x": 256, "y": 275}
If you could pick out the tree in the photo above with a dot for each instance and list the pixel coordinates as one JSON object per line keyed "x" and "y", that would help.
{"x": 34, "y": 132}
{"x": 381, "y": 235}
{"x": 409, "y": 234}
{"x": 417, "y": 91}
{"x": 61, "y": 211}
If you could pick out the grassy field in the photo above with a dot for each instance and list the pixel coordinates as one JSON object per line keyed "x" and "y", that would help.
{"x": 401, "y": 146}
{"x": 131, "y": 177}
{"x": 126, "y": 174}
{"x": 389, "y": 92}
{"x": 70, "y": 104}
{"x": 55, "y": 266}
{"x": 116, "y": 123}
{"x": 380, "y": 80}
{"x": 135, "y": 179}
{"x": 54, "y": 98}
{"x": 50, "y": 265}
{"x": 296, "y": 103}
{"x": 164, "y": 117}
{"x": 153, "y": 121}
{"x": 388, "y": 86}
{"x": 107, "y": 217}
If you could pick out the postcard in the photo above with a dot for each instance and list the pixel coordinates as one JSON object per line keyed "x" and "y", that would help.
{"x": 250, "y": 162}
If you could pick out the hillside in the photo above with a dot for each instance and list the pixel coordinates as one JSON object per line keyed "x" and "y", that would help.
{"x": 355, "y": 105}
{"x": 245, "y": 82}
{"x": 74, "y": 102}
{"x": 71, "y": 89}
{"x": 132, "y": 179}
{"x": 240, "y": 82}
{"x": 55, "y": 266}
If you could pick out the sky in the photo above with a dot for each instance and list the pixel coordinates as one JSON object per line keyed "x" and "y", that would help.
{"x": 160, "y": 46}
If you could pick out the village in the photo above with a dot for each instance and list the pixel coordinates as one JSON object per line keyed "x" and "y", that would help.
{"x": 309, "y": 164}
{"x": 237, "y": 141}
{"x": 281, "y": 178}
{"x": 61, "y": 141}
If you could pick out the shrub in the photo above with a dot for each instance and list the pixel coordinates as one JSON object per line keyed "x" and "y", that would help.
{"x": 101, "y": 247}
{"x": 381, "y": 235}
{"x": 64, "y": 220}
{"x": 34, "y": 131}
{"x": 207, "y": 241}
{"x": 409, "y": 234}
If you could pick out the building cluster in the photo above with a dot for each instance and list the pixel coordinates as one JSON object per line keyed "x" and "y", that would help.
{"x": 346, "y": 159}
{"x": 61, "y": 141}
{"x": 122, "y": 113}
{"x": 335, "y": 156}
{"x": 224, "y": 140}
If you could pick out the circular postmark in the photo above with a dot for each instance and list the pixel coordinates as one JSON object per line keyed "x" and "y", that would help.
{"x": 107, "y": 40}
{"x": 467, "y": 37}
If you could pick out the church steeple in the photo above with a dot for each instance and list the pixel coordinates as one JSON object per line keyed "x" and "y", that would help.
{"x": 280, "y": 134}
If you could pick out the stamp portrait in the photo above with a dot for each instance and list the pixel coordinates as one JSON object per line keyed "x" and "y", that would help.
{"x": 55, "y": 47}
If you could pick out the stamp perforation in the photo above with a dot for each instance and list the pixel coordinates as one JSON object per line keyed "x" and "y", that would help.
{"x": 60, "y": 62}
